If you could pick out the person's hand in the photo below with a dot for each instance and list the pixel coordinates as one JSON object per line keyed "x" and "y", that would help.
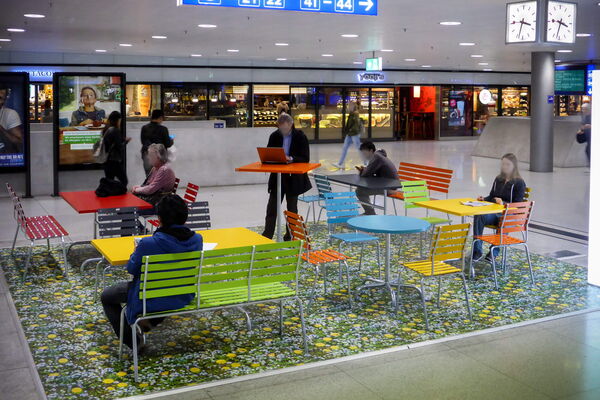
{"x": 480, "y": 198}
{"x": 359, "y": 168}
{"x": 86, "y": 122}
{"x": 290, "y": 159}
{"x": 127, "y": 139}
{"x": 134, "y": 189}
{"x": 498, "y": 200}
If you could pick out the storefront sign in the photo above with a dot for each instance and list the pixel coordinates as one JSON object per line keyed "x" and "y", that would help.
{"x": 38, "y": 75}
{"x": 371, "y": 77}
{"x": 352, "y": 7}
{"x": 486, "y": 97}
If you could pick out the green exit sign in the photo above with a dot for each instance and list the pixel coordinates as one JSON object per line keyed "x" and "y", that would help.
{"x": 374, "y": 64}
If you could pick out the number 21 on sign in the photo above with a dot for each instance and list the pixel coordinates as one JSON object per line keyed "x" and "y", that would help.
{"x": 344, "y": 6}
{"x": 313, "y": 5}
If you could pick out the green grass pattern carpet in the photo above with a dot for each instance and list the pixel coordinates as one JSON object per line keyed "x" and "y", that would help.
{"x": 75, "y": 349}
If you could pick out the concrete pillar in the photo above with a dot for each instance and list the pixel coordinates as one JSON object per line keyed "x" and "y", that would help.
{"x": 542, "y": 112}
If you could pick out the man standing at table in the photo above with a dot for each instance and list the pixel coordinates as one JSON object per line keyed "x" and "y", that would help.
{"x": 152, "y": 133}
{"x": 295, "y": 145}
{"x": 379, "y": 166}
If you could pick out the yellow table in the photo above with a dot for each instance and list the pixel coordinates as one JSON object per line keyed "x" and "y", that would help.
{"x": 455, "y": 207}
{"x": 116, "y": 251}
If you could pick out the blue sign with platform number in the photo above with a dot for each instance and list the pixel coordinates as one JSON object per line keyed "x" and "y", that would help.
{"x": 352, "y": 7}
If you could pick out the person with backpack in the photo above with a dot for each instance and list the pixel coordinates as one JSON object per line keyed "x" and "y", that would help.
{"x": 353, "y": 129}
{"x": 113, "y": 145}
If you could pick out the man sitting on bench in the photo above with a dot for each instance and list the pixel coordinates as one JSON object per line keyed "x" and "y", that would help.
{"x": 378, "y": 166}
{"x": 171, "y": 237}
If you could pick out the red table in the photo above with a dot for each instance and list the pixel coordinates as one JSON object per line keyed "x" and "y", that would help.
{"x": 278, "y": 169}
{"x": 86, "y": 202}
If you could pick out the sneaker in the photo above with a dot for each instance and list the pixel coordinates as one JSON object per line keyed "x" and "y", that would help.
{"x": 339, "y": 166}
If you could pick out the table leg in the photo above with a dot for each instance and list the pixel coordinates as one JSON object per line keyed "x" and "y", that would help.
{"x": 385, "y": 194}
{"x": 278, "y": 223}
{"x": 386, "y": 282}
{"x": 95, "y": 219}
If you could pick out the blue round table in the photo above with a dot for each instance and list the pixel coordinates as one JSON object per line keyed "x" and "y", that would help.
{"x": 388, "y": 225}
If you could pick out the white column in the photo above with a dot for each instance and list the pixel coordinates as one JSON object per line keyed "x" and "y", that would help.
{"x": 594, "y": 218}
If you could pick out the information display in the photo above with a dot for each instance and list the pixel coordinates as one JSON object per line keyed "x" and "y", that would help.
{"x": 13, "y": 119}
{"x": 83, "y": 104}
{"x": 355, "y": 7}
{"x": 569, "y": 81}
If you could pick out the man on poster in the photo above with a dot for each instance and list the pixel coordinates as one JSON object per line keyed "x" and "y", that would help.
{"x": 11, "y": 127}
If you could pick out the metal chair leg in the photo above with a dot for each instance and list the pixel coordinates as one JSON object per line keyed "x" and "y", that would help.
{"x": 471, "y": 266}
{"x": 494, "y": 267}
{"x": 135, "y": 350}
{"x": 422, "y": 293}
{"x": 12, "y": 250}
{"x": 362, "y": 250}
{"x": 64, "y": 250}
{"x": 439, "y": 291}
{"x": 247, "y": 316}
{"x": 28, "y": 260}
{"x": 281, "y": 318}
{"x": 529, "y": 263}
{"x": 303, "y": 325}
{"x": 348, "y": 283}
{"x": 324, "y": 278}
{"x": 466, "y": 295}
{"x": 121, "y": 331}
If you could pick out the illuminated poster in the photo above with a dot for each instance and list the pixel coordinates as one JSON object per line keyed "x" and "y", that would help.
{"x": 456, "y": 105}
{"x": 13, "y": 119}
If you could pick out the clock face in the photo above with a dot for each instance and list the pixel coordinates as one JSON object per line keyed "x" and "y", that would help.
{"x": 521, "y": 22}
{"x": 560, "y": 25}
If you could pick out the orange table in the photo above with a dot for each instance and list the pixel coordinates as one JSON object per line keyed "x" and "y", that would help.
{"x": 278, "y": 169}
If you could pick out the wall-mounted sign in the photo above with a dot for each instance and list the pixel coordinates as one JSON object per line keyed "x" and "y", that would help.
{"x": 374, "y": 64}
{"x": 352, "y": 7}
{"x": 551, "y": 99}
{"x": 486, "y": 97}
{"x": 588, "y": 84}
{"x": 38, "y": 75}
{"x": 371, "y": 77}
{"x": 569, "y": 81}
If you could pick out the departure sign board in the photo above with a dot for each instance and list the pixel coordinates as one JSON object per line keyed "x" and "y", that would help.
{"x": 352, "y": 7}
{"x": 569, "y": 81}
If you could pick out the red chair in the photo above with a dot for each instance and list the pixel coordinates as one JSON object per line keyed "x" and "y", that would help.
{"x": 43, "y": 227}
{"x": 190, "y": 195}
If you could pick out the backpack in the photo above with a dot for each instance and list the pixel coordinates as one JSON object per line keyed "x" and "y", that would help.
{"x": 110, "y": 187}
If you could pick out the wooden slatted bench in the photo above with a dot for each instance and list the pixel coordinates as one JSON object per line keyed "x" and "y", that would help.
{"x": 438, "y": 179}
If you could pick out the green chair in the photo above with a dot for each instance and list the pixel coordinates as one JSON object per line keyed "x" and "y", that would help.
{"x": 220, "y": 279}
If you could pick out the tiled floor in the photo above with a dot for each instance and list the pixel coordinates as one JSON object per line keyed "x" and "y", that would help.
{"x": 559, "y": 359}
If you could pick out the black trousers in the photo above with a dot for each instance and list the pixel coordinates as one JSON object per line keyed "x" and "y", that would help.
{"x": 116, "y": 169}
{"x": 271, "y": 218}
{"x": 364, "y": 195}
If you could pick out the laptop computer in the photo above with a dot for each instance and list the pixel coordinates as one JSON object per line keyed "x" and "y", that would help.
{"x": 272, "y": 155}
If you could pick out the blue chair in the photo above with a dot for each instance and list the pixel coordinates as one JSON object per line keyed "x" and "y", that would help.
{"x": 323, "y": 186}
{"x": 340, "y": 207}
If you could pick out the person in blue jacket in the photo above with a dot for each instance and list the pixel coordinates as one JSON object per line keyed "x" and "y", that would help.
{"x": 171, "y": 237}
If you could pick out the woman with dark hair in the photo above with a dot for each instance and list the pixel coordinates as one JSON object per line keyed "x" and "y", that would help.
{"x": 114, "y": 145}
{"x": 87, "y": 113}
{"x": 508, "y": 187}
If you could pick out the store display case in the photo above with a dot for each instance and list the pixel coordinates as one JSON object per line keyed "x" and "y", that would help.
{"x": 568, "y": 105}
{"x": 515, "y": 101}
{"x": 40, "y": 103}
{"x": 382, "y": 111}
{"x": 267, "y": 100}
{"x": 303, "y": 106}
{"x": 331, "y": 113}
{"x": 485, "y": 106}
{"x": 185, "y": 102}
{"x": 229, "y": 103}
{"x": 140, "y": 100}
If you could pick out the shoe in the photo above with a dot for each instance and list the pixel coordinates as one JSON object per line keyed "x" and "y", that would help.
{"x": 488, "y": 257}
{"x": 477, "y": 257}
{"x": 339, "y": 166}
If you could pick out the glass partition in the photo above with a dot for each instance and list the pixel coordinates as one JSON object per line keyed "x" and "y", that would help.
{"x": 515, "y": 101}
{"x": 229, "y": 103}
{"x": 303, "y": 107}
{"x": 331, "y": 113}
{"x": 382, "y": 111}
{"x": 268, "y": 101}
{"x": 485, "y": 106}
{"x": 185, "y": 102}
{"x": 140, "y": 100}
{"x": 456, "y": 111}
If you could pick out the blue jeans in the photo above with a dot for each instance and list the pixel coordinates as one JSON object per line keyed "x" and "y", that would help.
{"x": 480, "y": 221}
{"x": 349, "y": 140}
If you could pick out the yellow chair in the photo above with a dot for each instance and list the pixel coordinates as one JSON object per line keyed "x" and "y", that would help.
{"x": 448, "y": 244}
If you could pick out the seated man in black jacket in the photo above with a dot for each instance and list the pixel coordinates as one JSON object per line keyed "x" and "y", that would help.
{"x": 295, "y": 145}
{"x": 379, "y": 166}
{"x": 152, "y": 133}
{"x": 508, "y": 187}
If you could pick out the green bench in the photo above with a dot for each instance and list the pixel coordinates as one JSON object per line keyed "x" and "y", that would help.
{"x": 228, "y": 278}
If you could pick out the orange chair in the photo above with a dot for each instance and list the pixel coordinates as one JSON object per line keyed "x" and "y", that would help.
{"x": 191, "y": 192}
{"x": 515, "y": 218}
{"x": 316, "y": 258}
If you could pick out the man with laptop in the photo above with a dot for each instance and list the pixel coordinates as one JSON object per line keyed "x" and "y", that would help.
{"x": 294, "y": 144}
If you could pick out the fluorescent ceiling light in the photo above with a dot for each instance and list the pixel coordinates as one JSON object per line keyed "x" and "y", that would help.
{"x": 564, "y": 51}
{"x": 15, "y": 30}
{"x": 207, "y": 26}
{"x": 450, "y": 23}
{"x": 282, "y": 59}
{"x": 125, "y": 44}
{"x": 326, "y": 55}
{"x": 5, "y": 40}
{"x": 158, "y": 37}
{"x": 233, "y": 51}
{"x": 466, "y": 44}
{"x": 583, "y": 35}
{"x": 349, "y": 35}
{"x": 487, "y": 69}
{"x": 34, "y": 15}
{"x": 483, "y": 63}
{"x": 410, "y": 59}
{"x": 387, "y": 50}
{"x": 557, "y": 61}
{"x": 282, "y": 44}
{"x": 195, "y": 55}
{"x": 425, "y": 66}
{"x": 100, "y": 51}
{"x": 357, "y": 62}
{"x": 476, "y": 56}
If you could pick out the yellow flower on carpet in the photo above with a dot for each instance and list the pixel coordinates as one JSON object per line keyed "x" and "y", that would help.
{"x": 225, "y": 368}
{"x": 389, "y": 336}
{"x": 143, "y": 385}
{"x": 231, "y": 355}
{"x": 235, "y": 365}
{"x": 121, "y": 373}
{"x": 77, "y": 390}
{"x": 108, "y": 381}
{"x": 171, "y": 344}
{"x": 353, "y": 347}
{"x": 335, "y": 347}
{"x": 195, "y": 370}
{"x": 298, "y": 351}
{"x": 63, "y": 360}
{"x": 271, "y": 354}
{"x": 255, "y": 365}
{"x": 42, "y": 316}
{"x": 320, "y": 344}
{"x": 165, "y": 373}
{"x": 221, "y": 361}
{"x": 196, "y": 337}
{"x": 327, "y": 339}
{"x": 91, "y": 353}
{"x": 121, "y": 384}
{"x": 54, "y": 374}
{"x": 267, "y": 329}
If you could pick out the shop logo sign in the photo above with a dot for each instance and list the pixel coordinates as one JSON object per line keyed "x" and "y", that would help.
{"x": 371, "y": 77}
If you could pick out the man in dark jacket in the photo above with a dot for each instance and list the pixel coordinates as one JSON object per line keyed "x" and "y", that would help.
{"x": 295, "y": 145}
{"x": 379, "y": 166}
{"x": 171, "y": 237}
{"x": 154, "y": 132}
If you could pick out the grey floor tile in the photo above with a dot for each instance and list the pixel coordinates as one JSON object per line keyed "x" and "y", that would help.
{"x": 583, "y": 329}
{"x": 446, "y": 375}
{"x": 18, "y": 384}
{"x": 493, "y": 336}
{"x": 588, "y": 395}
{"x": 550, "y": 363}
{"x": 12, "y": 353}
{"x": 9, "y": 324}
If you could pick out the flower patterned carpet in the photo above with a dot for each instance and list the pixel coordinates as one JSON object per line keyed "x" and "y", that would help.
{"x": 75, "y": 349}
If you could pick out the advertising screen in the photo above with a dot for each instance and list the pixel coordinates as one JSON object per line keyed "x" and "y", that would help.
{"x": 457, "y": 100}
{"x": 569, "y": 81}
{"x": 13, "y": 119}
{"x": 84, "y": 104}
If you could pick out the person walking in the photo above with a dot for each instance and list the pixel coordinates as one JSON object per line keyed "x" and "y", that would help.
{"x": 295, "y": 145}
{"x": 353, "y": 130}
{"x": 114, "y": 166}
{"x": 154, "y": 133}
{"x": 585, "y": 133}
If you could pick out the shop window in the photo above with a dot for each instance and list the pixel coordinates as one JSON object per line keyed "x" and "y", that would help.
{"x": 567, "y": 105}
{"x": 303, "y": 106}
{"x": 382, "y": 112}
{"x": 456, "y": 111}
{"x": 269, "y": 101}
{"x": 185, "y": 102}
{"x": 515, "y": 102}
{"x": 40, "y": 103}
{"x": 140, "y": 100}
{"x": 230, "y": 104}
{"x": 331, "y": 113}
{"x": 485, "y": 106}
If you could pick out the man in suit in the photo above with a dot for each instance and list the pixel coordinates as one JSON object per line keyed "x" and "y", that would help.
{"x": 295, "y": 145}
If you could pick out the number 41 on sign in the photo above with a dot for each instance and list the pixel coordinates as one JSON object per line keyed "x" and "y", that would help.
{"x": 348, "y": 7}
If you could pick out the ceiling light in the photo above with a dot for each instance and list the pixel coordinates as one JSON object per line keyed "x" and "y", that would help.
{"x": 583, "y": 35}
{"x": 487, "y": 69}
{"x": 425, "y": 66}
{"x": 158, "y": 37}
{"x": 282, "y": 59}
{"x": 125, "y": 44}
{"x": 100, "y": 51}
{"x": 466, "y": 44}
{"x": 387, "y": 50}
{"x": 349, "y": 35}
{"x": 233, "y": 51}
{"x": 195, "y": 55}
{"x": 483, "y": 63}
{"x": 15, "y": 30}
{"x": 557, "y": 61}
{"x": 34, "y": 15}
{"x": 476, "y": 56}
{"x": 450, "y": 23}
{"x": 5, "y": 40}
{"x": 410, "y": 59}
{"x": 564, "y": 51}
{"x": 326, "y": 55}
{"x": 207, "y": 26}
{"x": 282, "y": 44}
{"x": 357, "y": 62}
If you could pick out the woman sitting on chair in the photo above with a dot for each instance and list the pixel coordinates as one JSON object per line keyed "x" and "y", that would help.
{"x": 508, "y": 187}
{"x": 161, "y": 179}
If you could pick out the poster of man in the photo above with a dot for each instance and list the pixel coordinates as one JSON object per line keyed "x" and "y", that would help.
{"x": 12, "y": 119}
